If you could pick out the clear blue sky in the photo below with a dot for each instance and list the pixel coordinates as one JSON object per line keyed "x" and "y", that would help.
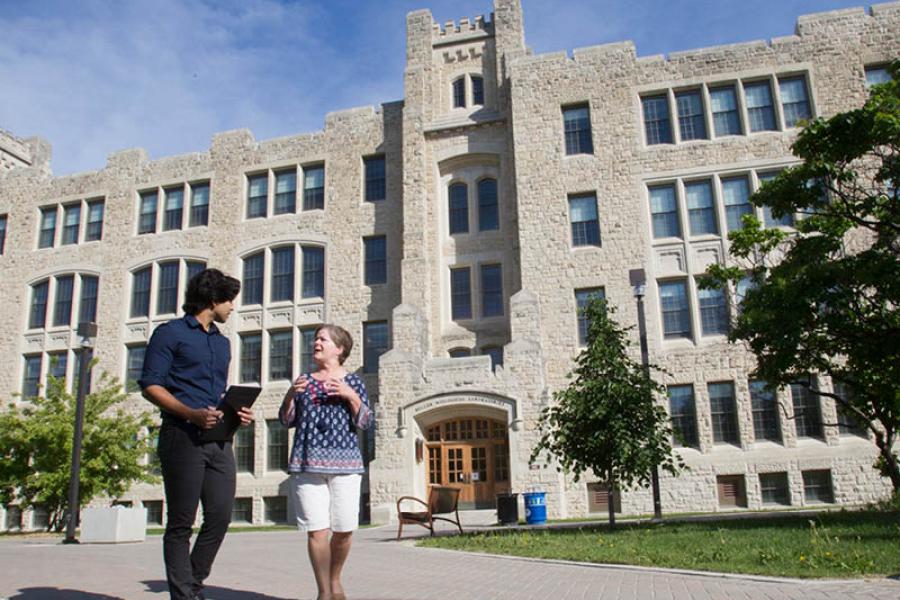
{"x": 97, "y": 76}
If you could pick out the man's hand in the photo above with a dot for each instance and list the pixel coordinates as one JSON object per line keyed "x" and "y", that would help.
{"x": 246, "y": 415}
{"x": 205, "y": 418}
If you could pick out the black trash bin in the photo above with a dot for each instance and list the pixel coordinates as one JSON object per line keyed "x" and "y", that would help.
{"x": 507, "y": 509}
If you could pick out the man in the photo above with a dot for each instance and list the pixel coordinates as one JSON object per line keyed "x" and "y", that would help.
{"x": 185, "y": 374}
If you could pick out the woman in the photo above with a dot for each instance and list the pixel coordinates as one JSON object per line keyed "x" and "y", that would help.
{"x": 326, "y": 407}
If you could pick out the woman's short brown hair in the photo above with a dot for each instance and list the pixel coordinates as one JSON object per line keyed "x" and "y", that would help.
{"x": 340, "y": 337}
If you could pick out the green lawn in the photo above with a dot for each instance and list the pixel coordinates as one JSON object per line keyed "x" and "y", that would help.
{"x": 837, "y": 544}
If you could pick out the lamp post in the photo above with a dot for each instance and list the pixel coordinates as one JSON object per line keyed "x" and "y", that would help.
{"x": 87, "y": 332}
{"x": 638, "y": 281}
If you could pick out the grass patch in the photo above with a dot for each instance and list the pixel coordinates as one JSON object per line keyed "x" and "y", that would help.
{"x": 836, "y": 544}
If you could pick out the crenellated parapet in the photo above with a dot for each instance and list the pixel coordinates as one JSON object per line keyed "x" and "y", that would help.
{"x": 452, "y": 31}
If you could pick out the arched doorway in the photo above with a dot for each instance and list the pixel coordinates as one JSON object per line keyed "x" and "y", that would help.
{"x": 471, "y": 453}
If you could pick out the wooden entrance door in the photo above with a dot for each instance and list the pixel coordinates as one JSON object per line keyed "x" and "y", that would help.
{"x": 471, "y": 454}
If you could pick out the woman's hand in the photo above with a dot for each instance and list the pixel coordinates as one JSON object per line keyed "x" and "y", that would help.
{"x": 300, "y": 384}
{"x": 336, "y": 386}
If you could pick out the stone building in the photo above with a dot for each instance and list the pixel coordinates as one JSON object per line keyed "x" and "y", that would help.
{"x": 454, "y": 234}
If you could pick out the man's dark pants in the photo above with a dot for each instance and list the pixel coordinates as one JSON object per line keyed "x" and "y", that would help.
{"x": 194, "y": 473}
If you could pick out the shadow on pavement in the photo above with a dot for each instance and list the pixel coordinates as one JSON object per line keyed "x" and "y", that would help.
{"x": 211, "y": 591}
{"x": 52, "y": 593}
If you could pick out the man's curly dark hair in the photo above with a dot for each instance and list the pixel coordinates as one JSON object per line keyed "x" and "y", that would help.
{"x": 208, "y": 287}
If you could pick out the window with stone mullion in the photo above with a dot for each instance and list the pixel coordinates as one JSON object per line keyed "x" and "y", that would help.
{"x": 71, "y": 223}
{"x": 577, "y": 130}
{"x": 199, "y": 204}
{"x": 276, "y": 446}
{"x": 167, "y": 289}
{"x": 282, "y": 284}
{"x": 491, "y": 291}
{"x": 375, "y": 343}
{"x": 713, "y": 311}
{"x": 726, "y": 120}
{"x": 62, "y": 309}
{"x": 664, "y": 212}
{"x": 375, "y": 185}
{"x": 682, "y": 414}
{"x": 807, "y": 412}
{"x": 657, "y": 126}
{"x": 257, "y": 196}
{"x": 252, "y": 284}
{"x": 760, "y": 109}
{"x": 736, "y": 198}
{"x": 460, "y": 293}
{"x": 794, "y": 100}
{"x": 31, "y": 377}
{"x": 285, "y": 192}
{"x": 251, "y": 358}
{"x": 87, "y": 306}
{"x": 48, "y": 227}
{"x": 458, "y": 208}
{"x": 94, "y": 229}
{"x": 38, "y": 315}
{"x": 281, "y": 352}
{"x": 313, "y": 272}
{"x": 724, "y": 413}
{"x": 147, "y": 218}
{"x": 583, "y": 216}
{"x": 488, "y": 214}
{"x": 764, "y": 405}
{"x": 701, "y": 210}
{"x": 244, "y": 449}
{"x": 314, "y": 188}
{"x": 174, "y": 208}
{"x": 140, "y": 292}
{"x": 675, "y": 313}
{"x": 691, "y": 121}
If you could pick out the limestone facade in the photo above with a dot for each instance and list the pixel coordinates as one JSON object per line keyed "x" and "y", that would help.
{"x": 479, "y": 199}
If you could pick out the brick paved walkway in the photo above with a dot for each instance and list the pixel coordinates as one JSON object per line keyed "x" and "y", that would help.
{"x": 273, "y": 566}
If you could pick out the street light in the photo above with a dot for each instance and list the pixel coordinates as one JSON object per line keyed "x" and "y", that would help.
{"x": 638, "y": 281}
{"x": 87, "y": 332}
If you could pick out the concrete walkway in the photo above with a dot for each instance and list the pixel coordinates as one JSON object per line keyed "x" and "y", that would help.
{"x": 273, "y": 566}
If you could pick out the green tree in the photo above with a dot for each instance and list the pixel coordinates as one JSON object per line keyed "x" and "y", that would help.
{"x": 607, "y": 420}
{"x": 36, "y": 448}
{"x": 825, "y": 299}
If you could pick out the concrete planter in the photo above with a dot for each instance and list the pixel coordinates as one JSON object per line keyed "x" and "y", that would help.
{"x": 110, "y": 525}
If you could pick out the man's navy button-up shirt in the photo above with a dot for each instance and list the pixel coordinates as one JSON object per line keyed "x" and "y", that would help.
{"x": 189, "y": 361}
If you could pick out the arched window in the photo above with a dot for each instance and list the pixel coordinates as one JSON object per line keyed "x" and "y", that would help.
{"x": 164, "y": 280}
{"x": 459, "y": 208}
{"x": 488, "y": 214}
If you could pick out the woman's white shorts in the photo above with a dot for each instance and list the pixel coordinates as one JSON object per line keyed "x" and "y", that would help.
{"x": 326, "y": 501}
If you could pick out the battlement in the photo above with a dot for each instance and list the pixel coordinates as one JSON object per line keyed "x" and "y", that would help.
{"x": 832, "y": 23}
{"x": 451, "y": 31}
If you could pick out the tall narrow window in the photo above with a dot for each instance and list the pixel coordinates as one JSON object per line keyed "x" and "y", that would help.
{"x": 459, "y": 93}
{"x": 243, "y": 455}
{"x": 48, "y": 227}
{"x": 375, "y": 249}
{"x": 375, "y": 179}
{"x": 62, "y": 310}
{"x": 701, "y": 214}
{"x": 71, "y": 224}
{"x": 675, "y": 313}
{"x": 724, "y": 413}
{"x": 458, "y": 208}
{"x": 147, "y": 217}
{"x": 199, "y": 204}
{"x": 657, "y": 126}
{"x": 577, "y": 127}
{"x": 252, "y": 284}
{"x": 87, "y": 307}
{"x": 726, "y": 120}
{"x": 94, "y": 229}
{"x": 194, "y": 268}
{"x": 276, "y": 445}
{"x": 307, "y": 339}
{"x": 314, "y": 188}
{"x": 582, "y": 298}
{"x": 583, "y": 217}
{"x": 664, "y": 212}
{"x": 460, "y": 294}
{"x": 713, "y": 311}
{"x": 3, "y": 219}
{"x": 488, "y": 214}
{"x": 251, "y": 357}
{"x": 477, "y": 90}
{"x": 140, "y": 292}
{"x": 37, "y": 318}
{"x": 375, "y": 343}
{"x": 794, "y": 100}
{"x": 174, "y": 208}
{"x": 31, "y": 378}
{"x": 807, "y": 412}
{"x": 760, "y": 111}
{"x": 167, "y": 289}
{"x": 769, "y": 219}
{"x": 313, "y": 272}
{"x": 682, "y": 414}
{"x": 691, "y": 122}
{"x": 134, "y": 365}
{"x": 281, "y": 352}
{"x": 765, "y": 412}
{"x": 736, "y": 197}
{"x": 285, "y": 192}
{"x": 849, "y": 423}
{"x": 257, "y": 195}
{"x": 282, "y": 285}
{"x": 57, "y": 367}
{"x": 491, "y": 291}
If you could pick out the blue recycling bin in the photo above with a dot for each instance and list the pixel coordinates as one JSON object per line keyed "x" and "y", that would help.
{"x": 535, "y": 507}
